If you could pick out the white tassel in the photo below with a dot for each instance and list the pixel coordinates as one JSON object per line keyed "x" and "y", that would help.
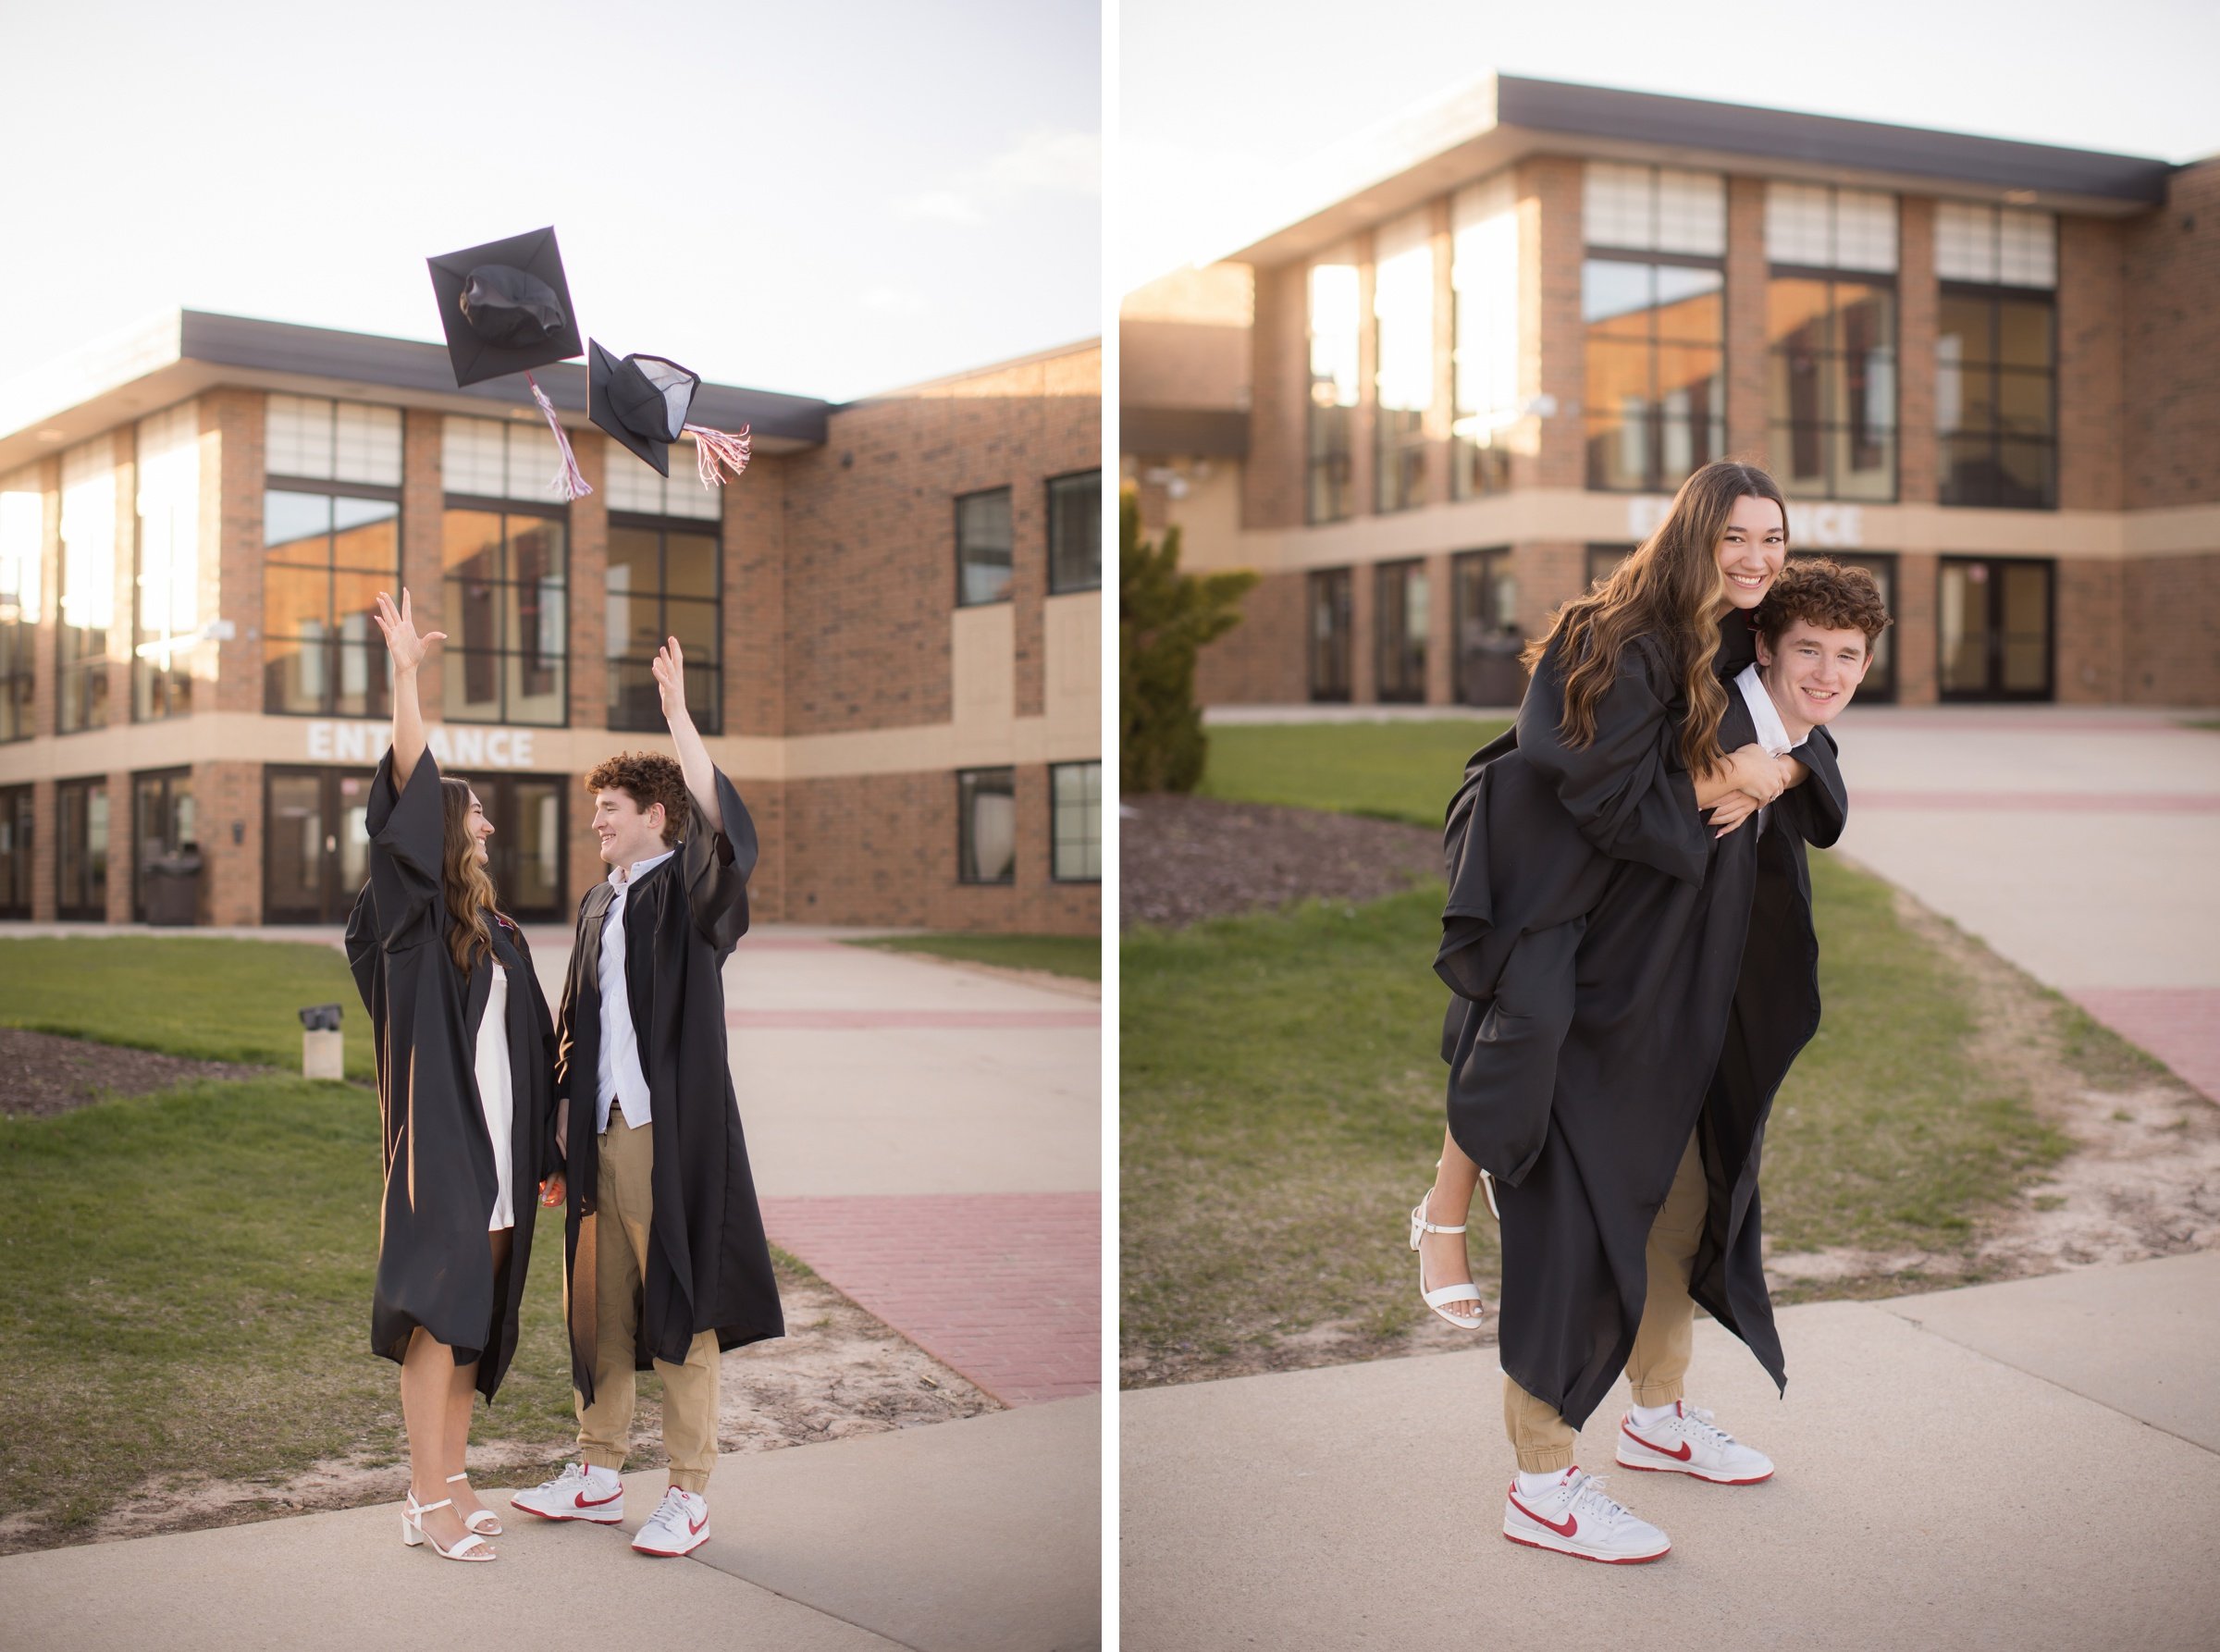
{"x": 568, "y": 481}
{"x": 713, "y": 449}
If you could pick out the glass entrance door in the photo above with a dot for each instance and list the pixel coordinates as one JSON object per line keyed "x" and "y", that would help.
{"x": 162, "y": 824}
{"x": 315, "y": 843}
{"x": 1329, "y": 628}
{"x": 525, "y": 855}
{"x": 1993, "y": 628}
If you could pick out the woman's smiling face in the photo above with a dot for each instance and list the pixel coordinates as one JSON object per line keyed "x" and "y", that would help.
{"x": 1751, "y": 550}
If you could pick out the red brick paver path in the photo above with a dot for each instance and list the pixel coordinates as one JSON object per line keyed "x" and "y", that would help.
{"x": 2019, "y": 803}
{"x": 2178, "y": 1025}
{"x": 1006, "y": 1288}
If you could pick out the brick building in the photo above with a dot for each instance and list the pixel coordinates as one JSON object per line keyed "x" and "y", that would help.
{"x": 1430, "y": 403}
{"x": 891, "y": 626}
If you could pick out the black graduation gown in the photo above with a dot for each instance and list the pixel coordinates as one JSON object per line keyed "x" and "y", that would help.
{"x": 709, "y": 1264}
{"x": 434, "y": 1265}
{"x": 1594, "y": 938}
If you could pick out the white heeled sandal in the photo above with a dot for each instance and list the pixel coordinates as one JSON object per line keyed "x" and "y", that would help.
{"x": 485, "y": 1523}
{"x": 470, "y": 1548}
{"x": 1440, "y": 1299}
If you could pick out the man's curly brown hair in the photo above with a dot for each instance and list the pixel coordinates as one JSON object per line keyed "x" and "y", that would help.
{"x": 1823, "y": 592}
{"x": 647, "y": 777}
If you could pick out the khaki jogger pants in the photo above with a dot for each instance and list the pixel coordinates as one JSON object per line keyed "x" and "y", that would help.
{"x": 1657, "y": 1367}
{"x": 620, "y": 1261}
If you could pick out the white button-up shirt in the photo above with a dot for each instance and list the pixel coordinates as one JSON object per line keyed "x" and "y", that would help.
{"x": 620, "y": 1078}
{"x": 1765, "y": 719}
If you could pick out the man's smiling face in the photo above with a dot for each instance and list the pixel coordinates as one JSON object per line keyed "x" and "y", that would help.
{"x": 1812, "y": 671}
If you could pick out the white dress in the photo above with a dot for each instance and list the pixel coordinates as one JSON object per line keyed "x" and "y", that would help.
{"x": 494, "y": 1093}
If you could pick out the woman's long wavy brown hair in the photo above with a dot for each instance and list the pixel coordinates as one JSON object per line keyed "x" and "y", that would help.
{"x": 1671, "y": 589}
{"x": 470, "y": 904}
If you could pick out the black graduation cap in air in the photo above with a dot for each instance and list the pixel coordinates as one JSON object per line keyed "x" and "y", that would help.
{"x": 643, "y": 401}
{"x": 505, "y": 306}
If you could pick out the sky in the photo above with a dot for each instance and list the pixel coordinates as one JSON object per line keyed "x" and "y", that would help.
{"x": 1221, "y": 102}
{"x": 825, "y": 200}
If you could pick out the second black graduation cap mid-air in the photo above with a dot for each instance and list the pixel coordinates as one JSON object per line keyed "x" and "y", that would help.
{"x": 643, "y": 401}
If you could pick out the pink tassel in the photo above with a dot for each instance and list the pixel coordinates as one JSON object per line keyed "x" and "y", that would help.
{"x": 569, "y": 480}
{"x": 713, "y": 449}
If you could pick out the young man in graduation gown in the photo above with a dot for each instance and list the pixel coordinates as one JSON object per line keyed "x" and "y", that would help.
{"x": 667, "y": 1263}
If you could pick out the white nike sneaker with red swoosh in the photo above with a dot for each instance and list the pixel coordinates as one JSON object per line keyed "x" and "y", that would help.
{"x": 1689, "y": 1443}
{"x": 679, "y": 1525}
{"x": 1575, "y": 1518}
{"x": 578, "y": 1493}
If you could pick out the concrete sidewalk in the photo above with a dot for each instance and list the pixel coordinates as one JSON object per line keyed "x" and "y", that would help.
{"x": 2082, "y": 842}
{"x": 2032, "y": 1466}
{"x": 974, "y": 1537}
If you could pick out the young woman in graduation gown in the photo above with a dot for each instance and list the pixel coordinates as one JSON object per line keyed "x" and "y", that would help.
{"x": 1601, "y": 887}
{"x": 465, "y": 1090}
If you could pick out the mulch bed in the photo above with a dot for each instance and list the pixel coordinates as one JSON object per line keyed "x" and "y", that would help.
{"x": 42, "y": 1074}
{"x": 1182, "y": 859}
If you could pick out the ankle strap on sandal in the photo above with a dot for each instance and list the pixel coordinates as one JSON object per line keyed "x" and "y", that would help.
{"x": 452, "y": 1479}
{"x": 1438, "y": 1228}
{"x": 423, "y": 1509}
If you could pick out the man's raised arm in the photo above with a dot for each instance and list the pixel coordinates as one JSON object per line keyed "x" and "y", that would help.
{"x": 670, "y": 670}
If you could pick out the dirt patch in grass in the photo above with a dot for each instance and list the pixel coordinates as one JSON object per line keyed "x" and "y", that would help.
{"x": 1183, "y": 859}
{"x": 42, "y": 1074}
{"x": 838, "y": 1373}
{"x": 2142, "y": 1177}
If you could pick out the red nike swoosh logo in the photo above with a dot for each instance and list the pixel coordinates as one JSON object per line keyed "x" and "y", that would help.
{"x": 1682, "y": 1454}
{"x": 586, "y": 1502}
{"x": 1571, "y": 1520}
{"x": 694, "y": 1526}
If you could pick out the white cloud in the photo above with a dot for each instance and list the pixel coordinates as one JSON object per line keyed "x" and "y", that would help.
{"x": 1069, "y": 162}
{"x": 944, "y": 206}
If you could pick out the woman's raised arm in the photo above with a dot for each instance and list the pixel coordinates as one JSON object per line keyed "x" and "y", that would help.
{"x": 408, "y": 650}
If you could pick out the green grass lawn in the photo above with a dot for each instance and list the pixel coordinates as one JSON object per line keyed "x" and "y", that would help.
{"x": 187, "y": 1290}
{"x": 218, "y": 1000}
{"x": 1389, "y": 770}
{"x": 1080, "y": 956}
{"x": 1281, "y": 1109}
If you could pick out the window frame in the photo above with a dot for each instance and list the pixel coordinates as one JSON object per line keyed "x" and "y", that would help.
{"x": 713, "y": 723}
{"x": 167, "y": 779}
{"x": 1331, "y": 442}
{"x": 1048, "y": 494}
{"x": 1397, "y": 572}
{"x": 956, "y": 507}
{"x": 1655, "y": 477}
{"x": 18, "y": 808}
{"x": 1993, "y": 295}
{"x": 1054, "y": 875}
{"x": 1493, "y": 562}
{"x": 1341, "y": 581}
{"x": 458, "y": 652}
{"x": 338, "y": 490}
{"x": 75, "y": 911}
{"x": 966, "y": 849}
{"x": 1832, "y": 359}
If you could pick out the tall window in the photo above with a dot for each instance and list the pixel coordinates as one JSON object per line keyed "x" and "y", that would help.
{"x": 1328, "y": 600}
{"x": 1333, "y": 407}
{"x": 1075, "y": 794}
{"x": 1402, "y": 314}
{"x": 1653, "y": 302}
{"x": 331, "y": 541}
{"x": 168, "y": 583}
{"x": 983, "y": 547}
{"x": 163, "y": 823}
{"x": 1831, "y": 323}
{"x": 664, "y": 579}
{"x": 986, "y": 817}
{"x": 1485, "y": 604}
{"x": 15, "y": 851}
{"x": 86, "y": 600}
{"x": 1075, "y": 533}
{"x": 506, "y": 616}
{"x": 1996, "y": 356}
{"x": 1483, "y": 280}
{"x": 22, "y": 533}
{"x": 80, "y": 839}
{"x": 1401, "y": 601}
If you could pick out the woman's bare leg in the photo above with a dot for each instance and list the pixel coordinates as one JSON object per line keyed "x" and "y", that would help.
{"x": 424, "y": 1380}
{"x": 462, "y": 1397}
{"x": 1449, "y": 1204}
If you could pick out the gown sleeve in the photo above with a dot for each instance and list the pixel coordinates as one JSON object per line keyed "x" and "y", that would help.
{"x": 1818, "y": 809}
{"x": 1626, "y": 790}
{"x": 715, "y": 861}
{"x": 403, "y": 897}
